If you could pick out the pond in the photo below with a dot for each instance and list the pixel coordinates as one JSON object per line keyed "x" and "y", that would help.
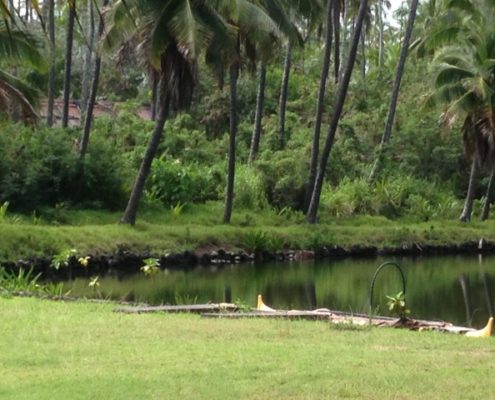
{"x": 457, "y": 289}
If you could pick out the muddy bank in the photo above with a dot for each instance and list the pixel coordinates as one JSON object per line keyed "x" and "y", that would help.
{"x": 124, "y": 262}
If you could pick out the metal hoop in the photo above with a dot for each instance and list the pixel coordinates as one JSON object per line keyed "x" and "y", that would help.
{"x": 380, "y": 268}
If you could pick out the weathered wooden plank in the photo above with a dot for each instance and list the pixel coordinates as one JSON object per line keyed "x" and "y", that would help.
{"x": 340, "y": 317}
{"x": 311, "y": 315}
{"x": 193, "y": 308}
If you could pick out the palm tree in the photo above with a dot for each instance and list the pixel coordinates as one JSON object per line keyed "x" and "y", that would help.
{"x": 309, "y": 10}
{"x": 387, "y": 133}
{"x": 339, "y": 105}
{"x": 284, "y": 90}
{"x": 257, "y": 23}
{"x": 465, "y": 83}
{"x": 21, "y": 46}
{"x": 88, "y": 115}
{"x": 315, "y": 148}
{"x": 68, "y": 61}
{"x": 173, "y": 33}
{"x": 51, "y": 74}
{"x": 260, "y": 101}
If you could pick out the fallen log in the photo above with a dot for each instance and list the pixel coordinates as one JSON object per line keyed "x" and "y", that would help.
{"x": 193, "y": 308}
{"x": 340, "y": 317}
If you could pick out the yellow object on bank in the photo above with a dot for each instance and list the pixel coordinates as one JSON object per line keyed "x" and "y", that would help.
{"x": 485, "y": 332}
{"x": 260, "y": 306}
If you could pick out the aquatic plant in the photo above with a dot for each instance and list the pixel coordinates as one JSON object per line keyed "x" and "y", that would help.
{"x": 151, "y": 266}
{"x": 62, "y": 259}
{"x": 397, "y": 305}
{"x": 23, "y": 281}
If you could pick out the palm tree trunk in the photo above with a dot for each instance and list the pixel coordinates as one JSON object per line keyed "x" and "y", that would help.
{"x": 229, "y": 193}
{"x": 260, "y": 102}
{"x": 468, "y": 205}
{"x": 68, "y": 63}
{"x": 88, "y": 116}
{"x": 381, "y": 44}
{"x": 315, "y": 148}
{"x": 284, "y": 89}
{"x": 339, "y": 105}
{"x": 87, "y": 75}
{"x": 336, "y": 33}
{"x": 363, "y": 54}
{"x": 344, "y": 52}
{"x": 130, "y": 212}
{"x": 51, "y": 74}
{"x": 387, "y": 133}
{"x": 489, "y": 196}
{"x": 154, "y": 92}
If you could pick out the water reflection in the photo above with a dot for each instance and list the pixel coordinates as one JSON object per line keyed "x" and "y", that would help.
{"x": 457, "y": 289}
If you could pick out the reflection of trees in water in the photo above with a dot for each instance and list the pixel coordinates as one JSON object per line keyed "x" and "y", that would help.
{"x": 449, "y": 288}
{"x": 488, "y": 295}
{"x": 464, "y": 281}
{"x": 476, "y": 290}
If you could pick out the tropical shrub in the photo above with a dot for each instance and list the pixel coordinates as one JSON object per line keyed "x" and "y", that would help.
{"x": 248, "y": 189}
{"x": 173, "y": 182}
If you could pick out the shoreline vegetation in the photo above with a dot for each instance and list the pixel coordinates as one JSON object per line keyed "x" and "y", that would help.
{"x": 195, "y": 236}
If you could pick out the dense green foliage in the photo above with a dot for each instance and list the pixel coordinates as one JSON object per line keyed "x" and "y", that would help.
{"x": 424, "y": 177}
{"x": 424, "y": 174}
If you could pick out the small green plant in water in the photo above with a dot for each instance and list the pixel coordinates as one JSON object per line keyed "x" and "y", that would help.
{"x": 397, "y": 305}
{"x": 62, "y": 259}
{"x": 151, "y": 266}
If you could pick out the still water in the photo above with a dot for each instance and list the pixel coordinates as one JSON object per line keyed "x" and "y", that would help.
{"x": 457, "y": 289}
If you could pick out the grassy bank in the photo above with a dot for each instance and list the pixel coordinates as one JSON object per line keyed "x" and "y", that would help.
{"x": 54, "y": 350}
{"x": 93, "y": 232}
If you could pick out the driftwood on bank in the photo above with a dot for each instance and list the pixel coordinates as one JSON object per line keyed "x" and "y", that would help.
{"x": 193, "y": 308}
{"x": 339, "y": 317}
{"x": 228, "y": 310}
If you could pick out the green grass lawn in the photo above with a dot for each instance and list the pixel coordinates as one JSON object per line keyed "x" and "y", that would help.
{"x": 55, "y": 350}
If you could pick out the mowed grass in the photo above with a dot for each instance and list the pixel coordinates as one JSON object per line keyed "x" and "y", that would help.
{"x": 82, "y": 350}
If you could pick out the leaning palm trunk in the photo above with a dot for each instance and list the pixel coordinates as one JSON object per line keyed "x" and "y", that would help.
{"x": 229, "y": 193}
{"x": 339, "y": 105}
{"x": 489, "y": 196}
{"x": 315, "y": 148}
{"x": 130, "y": 212}
{"x": 284, "y": 89}
{"x": 336, "y": 33}
{"x": 88, "y": 70}
{"x": 51, "y": 74}
{"x": 68, "y": 63}
{"x": 468, "y": 205}
{"x": 154, "y": 92}
{"x": 88, "y": 116}
{"x": 260, "y": 102}
{"x": 387, "y": 133}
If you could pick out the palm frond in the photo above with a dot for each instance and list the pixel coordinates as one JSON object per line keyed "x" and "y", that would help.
{"x": 14, "y": 94}
{"x": 22, "y": 46}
